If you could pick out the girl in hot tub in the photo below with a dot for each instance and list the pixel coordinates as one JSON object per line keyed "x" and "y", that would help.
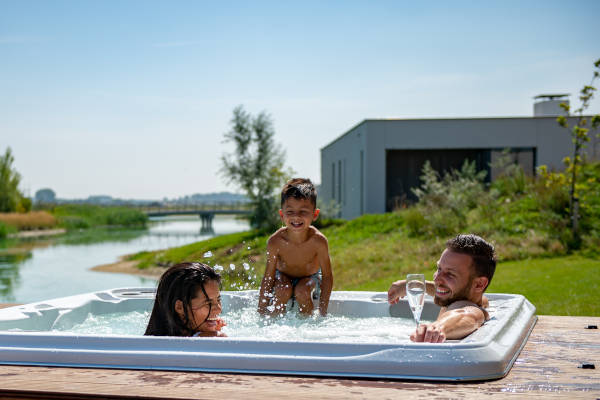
{"x": 187, "y": 303}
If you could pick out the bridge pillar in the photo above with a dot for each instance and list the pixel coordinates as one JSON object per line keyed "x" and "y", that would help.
{"x": 206, "y": 218}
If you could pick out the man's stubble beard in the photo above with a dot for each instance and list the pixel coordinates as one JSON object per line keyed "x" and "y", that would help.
{"x": 462, "y": 294}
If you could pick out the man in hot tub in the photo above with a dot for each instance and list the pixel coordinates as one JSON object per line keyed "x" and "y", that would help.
{"x": 464, "y": 271}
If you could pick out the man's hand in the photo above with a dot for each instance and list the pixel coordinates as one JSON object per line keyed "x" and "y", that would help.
{"x": 430, "y": 333}
{"x": 396, "y": 291}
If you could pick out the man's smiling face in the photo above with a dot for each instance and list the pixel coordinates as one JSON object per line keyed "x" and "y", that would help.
{"x": 453, "y": 278}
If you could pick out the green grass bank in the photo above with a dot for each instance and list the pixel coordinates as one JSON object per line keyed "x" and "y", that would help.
{"x": 371, "y": 251}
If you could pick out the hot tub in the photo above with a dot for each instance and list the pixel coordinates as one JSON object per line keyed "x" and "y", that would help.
{"x": 27, "y": 338}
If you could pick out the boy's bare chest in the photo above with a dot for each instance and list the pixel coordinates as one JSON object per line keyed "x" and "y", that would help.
{"x": 302, "y": 255}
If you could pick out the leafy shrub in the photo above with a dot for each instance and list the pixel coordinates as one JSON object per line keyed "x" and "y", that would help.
{"x": 415, "y": 221}
{"x": 444, "y": 202}
{"x": 5, "y": 230}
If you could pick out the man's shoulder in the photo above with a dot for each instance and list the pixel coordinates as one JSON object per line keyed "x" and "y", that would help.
{"x": 466, "y": 303}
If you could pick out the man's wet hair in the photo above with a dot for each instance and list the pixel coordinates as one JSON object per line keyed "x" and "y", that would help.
{"x": 299, "y": 188}
{"x": 482, "y": 253}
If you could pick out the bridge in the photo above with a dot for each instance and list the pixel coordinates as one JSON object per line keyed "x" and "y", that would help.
{"x": 205, "y": 212}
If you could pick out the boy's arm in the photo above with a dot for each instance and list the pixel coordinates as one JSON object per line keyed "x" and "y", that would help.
{"x": 326, "y": 277}
{"x": 268, "y": 280}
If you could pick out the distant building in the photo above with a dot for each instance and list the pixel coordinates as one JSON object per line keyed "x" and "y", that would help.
{"x": 45, "y": 196}
{"x": 371, "y": 168}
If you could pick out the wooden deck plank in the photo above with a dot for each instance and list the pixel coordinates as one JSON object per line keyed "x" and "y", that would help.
{"x": 546, "y": 368}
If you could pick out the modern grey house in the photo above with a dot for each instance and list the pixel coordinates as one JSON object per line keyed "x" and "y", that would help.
{"x": 371, "y": 168}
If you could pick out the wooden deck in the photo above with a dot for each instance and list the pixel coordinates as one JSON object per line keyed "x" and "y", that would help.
{"x": 548, "y": 367}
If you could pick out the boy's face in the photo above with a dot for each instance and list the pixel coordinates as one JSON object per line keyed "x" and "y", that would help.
{"x": 297, "y": 214}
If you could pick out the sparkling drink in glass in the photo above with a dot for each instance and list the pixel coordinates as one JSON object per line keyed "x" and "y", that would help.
{"x": 415, "y": 292}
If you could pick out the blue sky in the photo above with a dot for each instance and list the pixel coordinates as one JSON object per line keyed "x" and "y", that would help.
{"x": 131, "y": 98}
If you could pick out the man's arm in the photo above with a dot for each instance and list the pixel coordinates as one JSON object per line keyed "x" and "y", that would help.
{"x": 268, "y": 280}
{"x": 456, "y": 323}
{"x": 326, "y": 276}
{"x": 398, "y": 290}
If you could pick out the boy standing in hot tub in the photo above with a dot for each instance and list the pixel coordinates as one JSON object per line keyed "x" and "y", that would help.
{"x": 297, "y": 255}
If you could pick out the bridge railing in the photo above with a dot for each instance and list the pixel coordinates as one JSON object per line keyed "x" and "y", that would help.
{"x": 195, "y": 207}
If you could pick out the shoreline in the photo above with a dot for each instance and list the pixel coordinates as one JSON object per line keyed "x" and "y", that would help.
{"x": 124, "y": 266}
{"x": 37, "y": 233}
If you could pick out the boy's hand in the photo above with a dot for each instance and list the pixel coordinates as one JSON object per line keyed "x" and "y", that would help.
{"x": 396, "y": 291}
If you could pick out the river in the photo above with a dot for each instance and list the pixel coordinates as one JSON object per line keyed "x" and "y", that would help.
{"x": 41, "y": 269}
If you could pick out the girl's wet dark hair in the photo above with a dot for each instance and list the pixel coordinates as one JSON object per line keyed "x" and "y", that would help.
{"x": 179, "y": 282}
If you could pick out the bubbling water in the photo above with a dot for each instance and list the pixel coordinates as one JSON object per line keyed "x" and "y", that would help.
{"x": 248, "y": 324}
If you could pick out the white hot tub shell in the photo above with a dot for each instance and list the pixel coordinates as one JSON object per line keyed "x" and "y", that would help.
{"x": 26, "y": 339}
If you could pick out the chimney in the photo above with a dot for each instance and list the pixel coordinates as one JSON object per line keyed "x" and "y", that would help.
{"x": 548, "y": 105}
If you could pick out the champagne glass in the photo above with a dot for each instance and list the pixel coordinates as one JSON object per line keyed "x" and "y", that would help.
{"x": 415, "y": 291}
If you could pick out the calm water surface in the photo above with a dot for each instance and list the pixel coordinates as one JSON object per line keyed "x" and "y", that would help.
{"x": 39, "y": 270}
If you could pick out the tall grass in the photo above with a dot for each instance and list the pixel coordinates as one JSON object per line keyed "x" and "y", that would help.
{"x": 80, "y": 216}
{"x": 29, "y": 221}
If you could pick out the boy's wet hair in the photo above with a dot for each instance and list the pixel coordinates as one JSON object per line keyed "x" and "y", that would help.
{"x": 180, "y": 282}
{"x": 482, "y": 253}
{"x": 299, "y": 188}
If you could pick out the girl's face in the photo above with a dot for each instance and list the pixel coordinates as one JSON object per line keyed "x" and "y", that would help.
{"x": 204, "y": 311}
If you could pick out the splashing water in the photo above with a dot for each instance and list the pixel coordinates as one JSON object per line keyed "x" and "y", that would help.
{"x": 247, "y": 323}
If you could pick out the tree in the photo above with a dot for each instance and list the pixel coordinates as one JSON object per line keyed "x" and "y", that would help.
{"x": 579, "y": 135}
{"x": 257, "y": 163}
{"x": 10, "y": 196}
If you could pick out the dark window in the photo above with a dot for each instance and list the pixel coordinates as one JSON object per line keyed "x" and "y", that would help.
{"x": 404, "y": 168}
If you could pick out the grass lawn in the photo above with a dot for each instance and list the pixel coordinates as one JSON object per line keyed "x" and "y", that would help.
{"x": 556, "y": 286}
{"x": 370, "y": 252}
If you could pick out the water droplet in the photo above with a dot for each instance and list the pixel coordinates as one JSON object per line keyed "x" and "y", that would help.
{"x": 232, "y": 267}
{"x": 248, "y": 247}
{"x": 218, "y": 267}
{"x": 246, "y": 266}
{"x": 208, "y": 254}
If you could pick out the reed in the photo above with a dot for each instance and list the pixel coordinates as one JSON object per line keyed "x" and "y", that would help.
{"x": 29, "y": 221}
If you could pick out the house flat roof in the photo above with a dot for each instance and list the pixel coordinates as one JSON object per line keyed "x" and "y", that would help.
{"x": 428, "y": 119}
